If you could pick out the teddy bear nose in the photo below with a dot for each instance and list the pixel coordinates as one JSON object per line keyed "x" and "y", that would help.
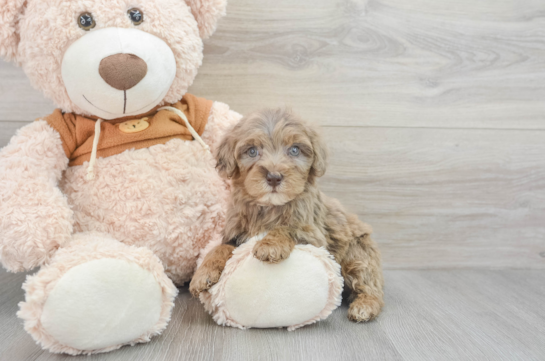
{"x": 274, "y": 179}
{"x": 123, "y": 71}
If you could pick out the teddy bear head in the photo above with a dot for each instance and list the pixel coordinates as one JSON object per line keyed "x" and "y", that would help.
{"x": 108, "y": 58}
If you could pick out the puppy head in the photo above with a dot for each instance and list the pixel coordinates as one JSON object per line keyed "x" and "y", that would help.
{"x": 272, "y": 154}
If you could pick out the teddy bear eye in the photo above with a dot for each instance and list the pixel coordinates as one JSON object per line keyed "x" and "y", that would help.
{"x": 136, "y": 16}
{"x": 86, "y": 21}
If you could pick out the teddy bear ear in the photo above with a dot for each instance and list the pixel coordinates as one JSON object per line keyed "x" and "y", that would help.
{"x": 207, "y": 13}
{"x": 10, "y": 13}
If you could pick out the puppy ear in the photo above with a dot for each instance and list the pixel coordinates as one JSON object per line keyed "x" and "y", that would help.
{"x": 10, "y": 13}
{"x": 320, "y": 153}
{"x": 207, "y": 13}
{"x": 225, "y": 156}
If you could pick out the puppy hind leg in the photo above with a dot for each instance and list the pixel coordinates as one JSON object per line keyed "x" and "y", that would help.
{"x": 362, "y": 274}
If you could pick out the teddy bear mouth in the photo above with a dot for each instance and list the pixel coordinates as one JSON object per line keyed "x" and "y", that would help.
{"x": 124, "y": 104}
{"x": 105, "y": 111}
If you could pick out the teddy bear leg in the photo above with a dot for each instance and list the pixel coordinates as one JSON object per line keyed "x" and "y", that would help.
{"x": 97, "y": 295}
{"x": 300, "y": 290}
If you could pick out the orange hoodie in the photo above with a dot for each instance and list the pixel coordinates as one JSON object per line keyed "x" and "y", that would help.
{"x": 77, "y": 132}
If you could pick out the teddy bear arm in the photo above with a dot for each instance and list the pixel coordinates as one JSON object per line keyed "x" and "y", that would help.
{"x": 35, "y": 219}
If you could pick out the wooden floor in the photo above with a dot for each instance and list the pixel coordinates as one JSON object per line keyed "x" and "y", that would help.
{"x": 429, "y": 315}
{"x": 435, "y": 115}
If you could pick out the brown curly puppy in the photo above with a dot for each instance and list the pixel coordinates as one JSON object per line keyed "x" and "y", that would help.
{"x": 273, "y": 159}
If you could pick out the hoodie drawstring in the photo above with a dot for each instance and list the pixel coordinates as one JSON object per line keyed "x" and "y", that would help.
{"x": 91, "y": 169}
{"x": 92, "y": 161}
{"x": 191, "y": 130}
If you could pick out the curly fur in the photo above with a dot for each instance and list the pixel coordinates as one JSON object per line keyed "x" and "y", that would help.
{"x": 167, "y": 198}
{"x": 294, "y": 211}
{"x": 31, "y": 166}
{"x": 10, "y": 11}
{"x": 207, "y": 13}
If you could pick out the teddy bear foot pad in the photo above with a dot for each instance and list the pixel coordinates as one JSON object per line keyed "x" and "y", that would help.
{"x": 99, "y": 304}
{"x": 298, "y": 291}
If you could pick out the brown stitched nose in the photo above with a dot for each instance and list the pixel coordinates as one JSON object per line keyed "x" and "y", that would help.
{"x": 122, "y": 71}
{"x": 274, "y": 179}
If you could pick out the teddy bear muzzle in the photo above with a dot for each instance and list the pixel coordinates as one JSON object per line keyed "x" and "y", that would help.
{"x": 117, "y": 72}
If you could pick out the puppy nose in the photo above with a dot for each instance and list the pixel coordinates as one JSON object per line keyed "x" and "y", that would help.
{"x": 274, "y": 179}
{"x": 123, "y": 71}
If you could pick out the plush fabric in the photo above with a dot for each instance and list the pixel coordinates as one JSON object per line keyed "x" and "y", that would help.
{"x": 36, "y": 36}
{"x": 78, "y": 132}
{"x": 10, "y": 11}
{"x": 298, "y": 291}
{"x": 97, "y": 95}
{"x": 95, "y": 252}
{"x": 207, "y": 14}
{"x": 168, "y": 198}
{"x": 35, "y": 218}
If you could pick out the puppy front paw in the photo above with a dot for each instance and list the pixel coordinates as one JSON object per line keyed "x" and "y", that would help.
{"x": 364, "y": 308}
{"x": 273, "y": 249}
{"x": 203, "y": 280}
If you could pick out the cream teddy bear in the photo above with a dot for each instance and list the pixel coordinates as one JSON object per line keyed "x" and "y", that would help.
{"x": 115, "y": 195}
{"x": 108, "y": 194}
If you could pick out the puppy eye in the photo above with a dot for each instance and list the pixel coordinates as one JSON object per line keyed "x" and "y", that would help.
{"x": 294, "y": 151}
{"x": 252, "y": 152}
{"x": 86, "y": 21}
{"x": 136, "y": 16}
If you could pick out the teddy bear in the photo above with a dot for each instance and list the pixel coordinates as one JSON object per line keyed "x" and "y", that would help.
{"x": 115, "y": 195}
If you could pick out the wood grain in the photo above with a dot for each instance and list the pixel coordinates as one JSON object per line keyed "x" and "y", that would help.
{"x": 383, "y": 62}
{"x": 8, "y": 130}
{"x": 440, "y": 198}
{"x": 429, "y": 315}
{"x": 19, "y": 102}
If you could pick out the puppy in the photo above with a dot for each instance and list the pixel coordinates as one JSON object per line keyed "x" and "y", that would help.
{"x": 273, "y": 159}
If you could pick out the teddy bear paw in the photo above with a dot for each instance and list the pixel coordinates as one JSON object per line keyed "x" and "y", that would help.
{"x": 101, "y": 304}
{"x": 84, "y": 303}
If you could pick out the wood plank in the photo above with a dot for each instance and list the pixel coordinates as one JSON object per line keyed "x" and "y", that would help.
{"x": 15, "y": 343}
{"x": 429, "y": 315}
{"x": 383, "y": 62}
{"x": 18, "y": 100}
{"x": 478, "y": 311}
{"x": 377, "y": 63}
{"x": 8, "y": 129}
{"x": 444, "y": 198}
